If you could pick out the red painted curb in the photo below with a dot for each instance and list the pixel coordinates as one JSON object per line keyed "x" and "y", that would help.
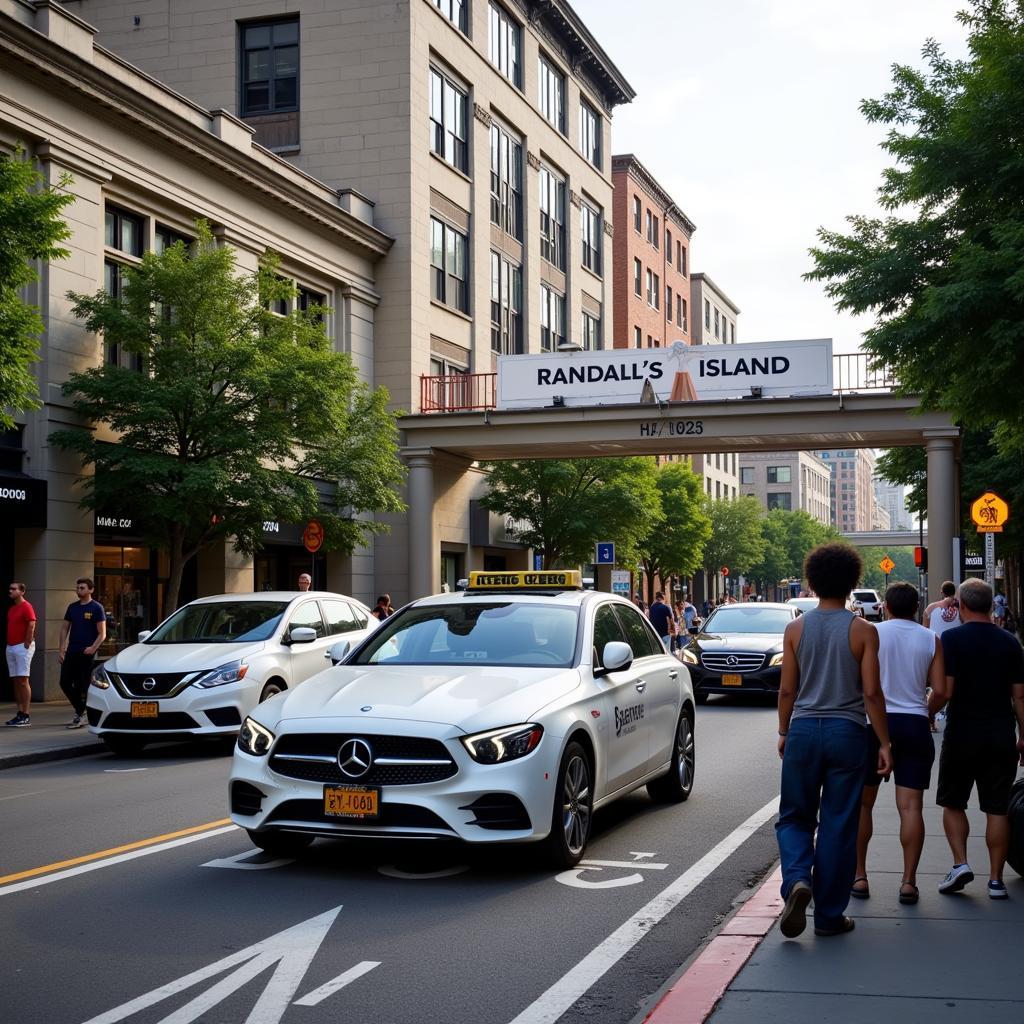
{"x": 695, "y": 995}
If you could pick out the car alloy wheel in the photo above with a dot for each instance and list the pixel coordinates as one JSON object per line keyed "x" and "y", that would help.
{"x": 573, "y": 809}
{"x": 676, "y": 784}
{"x": 272, "y": 689}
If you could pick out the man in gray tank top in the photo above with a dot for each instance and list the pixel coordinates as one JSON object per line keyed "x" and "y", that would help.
{"x": 829, "y": 679}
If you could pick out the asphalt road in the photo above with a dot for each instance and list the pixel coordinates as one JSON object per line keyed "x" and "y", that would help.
{"x": 197, "y": 926}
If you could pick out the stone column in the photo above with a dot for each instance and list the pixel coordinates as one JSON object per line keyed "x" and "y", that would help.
{"x": 940, "y": 444}
{"x": 424, "y": 550}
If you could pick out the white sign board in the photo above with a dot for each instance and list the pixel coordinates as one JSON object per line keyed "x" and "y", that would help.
{"x": 679, "y": 373}
{"x": 621, "y": 582}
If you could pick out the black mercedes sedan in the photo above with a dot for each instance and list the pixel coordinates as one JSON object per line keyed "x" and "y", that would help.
{"x": 738, "y": 650}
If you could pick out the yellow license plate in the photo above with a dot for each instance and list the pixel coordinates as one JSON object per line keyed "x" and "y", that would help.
{"x": 351, "y": 801}
{"x": 732, "y": 680}
{"x": 144, "y": 709}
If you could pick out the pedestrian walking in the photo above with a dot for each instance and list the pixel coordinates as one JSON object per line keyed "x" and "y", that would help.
{"x": 382, "y": 609}
{"x": 21, "y": 645}
{"x": 943, "y": 614}
{"x": 83, "y": 630}
{"x": 305, "y": 581}
{"x": 985, "y": 687}
{"x": 829, "y": 679}
{"x": 999, "y": 610}
{"x": 661, "y": 619}
{"x": 910, "y": 661}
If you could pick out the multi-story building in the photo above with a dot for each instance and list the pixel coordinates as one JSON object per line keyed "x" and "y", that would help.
{"x": 893, "y": 498}
{"x": 143, "y": 164}
{"x": 480, "y": 131}
{"x": 852, "y": 487}
{"x": 714, "y": 313}
{"x": 880, "y": 519}
{"x": 788, "y": 480}
{"x": 651, "y": 262}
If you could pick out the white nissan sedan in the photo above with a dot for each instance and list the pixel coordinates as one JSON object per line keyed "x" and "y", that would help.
{"x": 205, "y": 667}
{"x": 506, "y": 713}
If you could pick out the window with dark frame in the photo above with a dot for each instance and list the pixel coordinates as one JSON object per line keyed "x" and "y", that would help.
{"x": 506, "y": 306}
{"x": 637, "y": 214}
{"x": 164, "y": 238}
{"x": 448, "y": 265}
{"x": 637, "y": 277}
{"x": 455, "y": 12}
{"x": 590, "y": 133}
{"x": 123, "y": 232}
{"x": 551, "y": 83}
{"x": 307, "y": 299}
{"x": 590, "y": 230}
{"x": 779, "y": 474}
{"x": 449, "y": 122}
{"x": 668, "y": 303}
{"x": 707, "y": 315}
{"x": 591, "y": 338}
{"x": 638, "y": 338}
{"x": 270, "y": 66}
{"x": 668, "y": 247}
{"x": 552, "y": 319}
{"x": 681, "y": 258}
{"x": 505, "y": 40}
{"x": 552, "y": 218}
{"x": 746, "y": 475}
{"x": 506, "y": 182}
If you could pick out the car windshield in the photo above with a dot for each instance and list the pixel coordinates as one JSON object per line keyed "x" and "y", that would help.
{"x": 220, "y": 622}
{"x": 475, "y": 634}
{"x": 865, "y": 595}
{"x": 748, "y": 618}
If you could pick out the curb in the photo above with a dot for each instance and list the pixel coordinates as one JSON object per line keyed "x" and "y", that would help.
{"x": 694, "y": 996}
{"x": 52, "y": 754}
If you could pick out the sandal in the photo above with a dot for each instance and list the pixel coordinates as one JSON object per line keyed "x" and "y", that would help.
{"x": 860, "y": 894}
{"x": 847, "y": 926}
{"x": 909, "y": 897}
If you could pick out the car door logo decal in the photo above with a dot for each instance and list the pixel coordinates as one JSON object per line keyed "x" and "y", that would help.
{"x": 626, "y": 719}
{"x": 355, "y": 758}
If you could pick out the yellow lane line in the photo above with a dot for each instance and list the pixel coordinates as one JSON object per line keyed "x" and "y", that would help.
{"x": 32, "y": 872}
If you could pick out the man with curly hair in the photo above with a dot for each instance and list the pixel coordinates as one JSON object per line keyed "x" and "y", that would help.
{"x": 830, "y": 677}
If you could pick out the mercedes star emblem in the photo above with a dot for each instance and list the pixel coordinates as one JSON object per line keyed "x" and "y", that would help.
{"x": 355, "y": 758}
{"x": 149, "y": 684}
{"x": 732, "y": 660}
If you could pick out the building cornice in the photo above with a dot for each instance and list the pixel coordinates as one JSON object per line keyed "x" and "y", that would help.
{"x": 628, "y": 164}
{"x": 701, "y": 278}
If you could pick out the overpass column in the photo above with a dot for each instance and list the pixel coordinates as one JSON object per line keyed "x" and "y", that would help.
{"x": 942, "y": 505}
{"x": 424, "y": 553}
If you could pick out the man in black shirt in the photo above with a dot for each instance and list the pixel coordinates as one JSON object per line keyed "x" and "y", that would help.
{"x": 985, "y": 683}
{"x": 661, "y": 619}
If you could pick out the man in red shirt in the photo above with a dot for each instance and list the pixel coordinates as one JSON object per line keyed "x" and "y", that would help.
{"x": 21, "y": 645}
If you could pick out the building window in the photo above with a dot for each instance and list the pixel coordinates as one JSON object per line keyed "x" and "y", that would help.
{"x": 656, "y": 232}
{"x": 506, "y": 306}
{"x": 653, "y": 290}
{"x": 270, "y": 66}
{"x": 717, "y": 323}
{"x": 552, "y": 93}
{"x": 668, "y": 303}
{"x": 590, "y": 133}
{"x": 637, "y": 271}
{"x": 650, "y": 224}
{"x": 681, "y": 317}
{"x": 165, "y": 237}
{"x": 449, "y": 124}
{"x": 638, "y": 338}
{"x": 591, "y": 338}
{"x": 668, "y": 247}
{"x": 779, "y": 474}
{"x": 780, "y": 499}
{"x": 552, "y": 218}
{"x": 732, "y": 334}
{"x": 506, "y": 182}
{"x": 448, "y": 275}
{"x": 680, "y": 258}
{"x": 122, "y": 236}
{"x": 746, "y": 474}
{"x": 506, "y": 45}
{"x": 637, "y": 213}
{"x": 455, "y": 12}
{"x": 707, "y": 315}
{"x": 552, "y": 319}
{"x": 590, "y": 229}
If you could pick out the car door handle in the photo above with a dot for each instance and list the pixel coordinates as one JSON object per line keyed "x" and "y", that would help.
{"x": 641, "y": 685}
{"x": 673, "y": 674}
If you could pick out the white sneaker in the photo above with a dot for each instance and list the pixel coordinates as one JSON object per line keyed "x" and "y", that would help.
{"x": 77, "y": 722}
{"x": 959, "y": 875}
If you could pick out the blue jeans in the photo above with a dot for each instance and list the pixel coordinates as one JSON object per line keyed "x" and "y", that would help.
{"x": 822, "y": 779}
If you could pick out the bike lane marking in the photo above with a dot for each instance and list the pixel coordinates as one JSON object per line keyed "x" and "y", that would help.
{"x": 29, "y": 879}
{"x": 550, "y": 1005}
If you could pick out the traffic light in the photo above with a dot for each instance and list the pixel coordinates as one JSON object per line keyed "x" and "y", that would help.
{"x": 921, "y": 558}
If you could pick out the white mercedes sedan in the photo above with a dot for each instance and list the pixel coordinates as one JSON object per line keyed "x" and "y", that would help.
{"x": 506, "y": 713}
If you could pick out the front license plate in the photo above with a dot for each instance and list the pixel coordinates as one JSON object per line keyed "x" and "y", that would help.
{"x": 144, "y": 708}
{"x": 352, "y": 801}
{"x": 732, "y": 680}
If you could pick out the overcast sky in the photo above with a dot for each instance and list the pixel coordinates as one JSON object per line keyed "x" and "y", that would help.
{"x": 747, "y": 113}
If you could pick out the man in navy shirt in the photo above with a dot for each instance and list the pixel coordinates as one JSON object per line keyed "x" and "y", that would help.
{"x": 83, "y": 630}
{"x": 661, "y": 619}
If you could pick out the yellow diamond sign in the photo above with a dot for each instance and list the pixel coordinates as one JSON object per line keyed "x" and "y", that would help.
{"x": 887, "y": 565}
{"x": 989, "y": 513}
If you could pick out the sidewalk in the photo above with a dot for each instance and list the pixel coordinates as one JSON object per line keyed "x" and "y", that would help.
{"x": 949, "y": 958}
{"x": 46, "y": 739}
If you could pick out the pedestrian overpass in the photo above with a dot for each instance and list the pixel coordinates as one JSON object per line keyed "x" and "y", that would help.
{"x": 886, "y": 538}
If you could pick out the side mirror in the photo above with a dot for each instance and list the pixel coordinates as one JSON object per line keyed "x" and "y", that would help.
{"x": 694, "y": 629}
{"x": 616, "y": 656}
{"x": 301, "y": 635}
{"x": 144, "y": 635}
{"x": 338, "y": 652}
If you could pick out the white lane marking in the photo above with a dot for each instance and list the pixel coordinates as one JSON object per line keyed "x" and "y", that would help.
{"x": 623, "y": 864}
{"x": 292, "y": 950}
{"x": 393, "y": 871}
{"x": 123, "y": 771}
{"x": 318, "y": 995}
{"x": 241, "y": 862}
{"x": 120, "y": 858}
{"x": 556, "y": 1000}
{"x": 574, "y": 876}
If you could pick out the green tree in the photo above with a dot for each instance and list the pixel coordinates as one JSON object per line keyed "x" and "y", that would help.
{"x": 905, "y": 569}
{"x": 235, "y": 416}
{"x": 789, "y": 536}
{"x": 675, "y": 546}
{"x": 736, "y": 539}
{"x": 943, "y": 271}
{"x": 565, "y": 506}
{"x": 31, "y": 228}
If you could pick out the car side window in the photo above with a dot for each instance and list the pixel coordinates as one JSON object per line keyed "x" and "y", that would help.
{"x": 361, "y": 616}
{"x": 639, "y": 635}
{"x": 308, "y": 614}
{"x": 340, "y": 617}
{"x": 606, "y": 629}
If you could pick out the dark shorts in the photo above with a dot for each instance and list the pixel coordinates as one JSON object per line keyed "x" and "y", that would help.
{"x": 913, "y": 752}
{"x": 982, "y": 757}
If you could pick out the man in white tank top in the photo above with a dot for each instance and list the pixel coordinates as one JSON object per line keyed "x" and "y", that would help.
{"x": 945, "y": 613}
{"x": 910, "y": 661}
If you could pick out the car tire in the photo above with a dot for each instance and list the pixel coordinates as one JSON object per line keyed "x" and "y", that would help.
{"x": 280, "y": 844}
{"x": 124, "y": 746}
{"x": 573, "y": 809}
{"x": 700, "y": 696}
{"x": 676, "y": 784}
{"x": 272, "y": 689}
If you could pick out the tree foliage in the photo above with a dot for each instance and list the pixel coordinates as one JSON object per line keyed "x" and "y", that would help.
{"x": 905, "y": 570}
{"x": 736, "y": 539}
{"x": 236, "y": 413}
{"x": 943, "y": 271}
{"x": 564, "y": 507}
{"x": 788, "y": 537}
{"x": 31, "y": 229}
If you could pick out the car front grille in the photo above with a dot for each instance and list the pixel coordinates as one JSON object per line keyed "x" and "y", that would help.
{"x": 399, "y": 816}
{"x": 171, "y": 721}
{"x": 397, "y": 760}
{"x": 164, "y": 683}
{"x": 731, "y": 661}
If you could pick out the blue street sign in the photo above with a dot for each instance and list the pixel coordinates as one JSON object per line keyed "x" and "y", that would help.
{"x": 605, "y": 553}
{"x": 538, "y": 562}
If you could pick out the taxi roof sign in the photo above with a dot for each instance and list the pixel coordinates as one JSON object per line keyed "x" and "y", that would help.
{"x": 553, "y": 579}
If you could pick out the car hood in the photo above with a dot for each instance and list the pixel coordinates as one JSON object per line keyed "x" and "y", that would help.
{"x": 738, "y": 641}
{"x": 180, "y": 657}
{"x": 467, "y": 699}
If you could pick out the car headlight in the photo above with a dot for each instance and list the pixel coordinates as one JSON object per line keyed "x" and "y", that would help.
{"x": 253, "y": 738}
{"x": 776, "y": 660}
{"x": 100, "y": 679}
{"x": 500, "y": 745}
{"x": 232, "y": 672}
{"x": 689, "y": 657}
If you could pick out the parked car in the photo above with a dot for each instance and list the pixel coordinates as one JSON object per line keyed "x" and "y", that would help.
{"x": 804, "y": 604}
{"x": 206, "y": 666}
{"x": 855, "y": 606}
{"x": 873, "y": 606}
